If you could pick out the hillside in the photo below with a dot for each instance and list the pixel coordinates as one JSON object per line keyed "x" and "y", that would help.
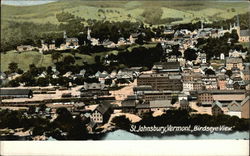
{"x": 182, "y": 11}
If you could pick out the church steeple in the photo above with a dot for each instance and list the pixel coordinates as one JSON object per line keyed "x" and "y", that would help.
{"x": 64, "y": 35}
{"x": 89, "y": 31}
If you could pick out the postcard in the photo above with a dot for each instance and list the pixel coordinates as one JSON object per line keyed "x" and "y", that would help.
{"x": 90, "y": 71}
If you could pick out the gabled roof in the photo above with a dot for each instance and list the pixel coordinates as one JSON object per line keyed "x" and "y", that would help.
{"x": 244, "y": 33}
{"x": 234, "y": 106}
{"x": 246, "y": 100}
{"x": 217, "y": 103}
{"x": 103, "y": 108}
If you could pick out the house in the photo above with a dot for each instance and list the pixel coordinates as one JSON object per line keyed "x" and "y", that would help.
{"x": 161, "y": 81}
{"x": 72, "y": 43}
{"x": 94, "y": 89}
{"x": 129, "y": 104}
{"x": 3, "y": 76}
{"x": 184, "y": 105}
{"x": 235, "y": 53}
{"x": 203, "y": 58}
{"x": 25, "y": 48}
{"x": 245, "y": 109}
{"x": 217, "y": 108}
{"x": 16, "y": 93}
{"x": 101, "y": 113}
{"x": 234, "y": 109}
{"x": 244, "y": 36}
{"x": 133, "y": 37}
{"x": 234, "y": 62}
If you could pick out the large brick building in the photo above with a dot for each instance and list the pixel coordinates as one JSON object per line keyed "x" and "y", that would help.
{"x": 161, "y": 81}
{"x": 207, "y": 97}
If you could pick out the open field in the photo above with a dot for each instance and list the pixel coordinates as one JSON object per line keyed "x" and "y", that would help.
{"x": 24, "y": 59}
{"x": 125, "y": 10}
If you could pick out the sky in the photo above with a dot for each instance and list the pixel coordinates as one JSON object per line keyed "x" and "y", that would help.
{"x": 25, "y": 2}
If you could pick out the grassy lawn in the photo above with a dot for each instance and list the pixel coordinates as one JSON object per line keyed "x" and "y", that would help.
{"x": 245, "y": 45}
{"x": 24, "y": 59}
{"x": 119, "y": 10}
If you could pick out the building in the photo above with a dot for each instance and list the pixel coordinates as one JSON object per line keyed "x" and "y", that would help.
{"x": 244, "y": 36}
{"x": 129, "y": 104}
{"x": 234, "y": 109}
{"x": 101, "y": 113}
{"x": 25, "y": 48}
{"x": 161, "y": 81}
{"x": 217, "y": 108}
{"x": 142, "y": 108}
{"x": 222, "y": 82}
{"x": 16, "y": 93}
{"x": 167, "y": 67}
{"x": 234, "y": 62}
{"x": 207, "y": 97}
{"x": 139, "y": 90}
{"x": 160, "y": 105}
{"x": 71, "y": 42}
{"x": 245, "y": 109}
{"x": 94, "y": 89}
{"x": 184, "y": 105}
{"x": 158, "y": 95}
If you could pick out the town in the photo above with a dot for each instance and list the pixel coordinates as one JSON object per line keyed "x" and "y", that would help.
{"x": 202, "y": 71}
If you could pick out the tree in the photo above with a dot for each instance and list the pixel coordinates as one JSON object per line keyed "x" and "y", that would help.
{"x": 56, "y": 56}
{"x": 14, "y": 83}
{"x": 139, "y": 40}
{"x": 13, "y": 67}
{"x": 41, "y": 81}
{"x": 42, "y": 107}
{"x": 97, "y": 59}
{"x": 209, "y": 72}
{"x": 69, "y": 60}
{"x": 234, "y": 36}
{"x": 229, "y": 73}
{"x": 190, "y": 54}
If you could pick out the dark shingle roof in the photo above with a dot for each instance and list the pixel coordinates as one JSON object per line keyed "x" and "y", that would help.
{"x": 15, "y": 91}
{"x": 244, "y": 33}
{"x": 103, "y": 108}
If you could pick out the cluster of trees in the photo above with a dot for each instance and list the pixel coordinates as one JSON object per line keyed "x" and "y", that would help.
{"x": 17, "y": 119}
{"x": 141, "y": 56}
{"x": 213, "y": 47}
{"x": 25, "y": 33}
{"x": 75, "y": 128}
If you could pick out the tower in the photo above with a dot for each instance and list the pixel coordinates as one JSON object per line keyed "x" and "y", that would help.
{"x": 89, "y": 31}
{"x": 238, "y": 25}
{"x": 202, "y": 25}
{"x": 64, "y": 35}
